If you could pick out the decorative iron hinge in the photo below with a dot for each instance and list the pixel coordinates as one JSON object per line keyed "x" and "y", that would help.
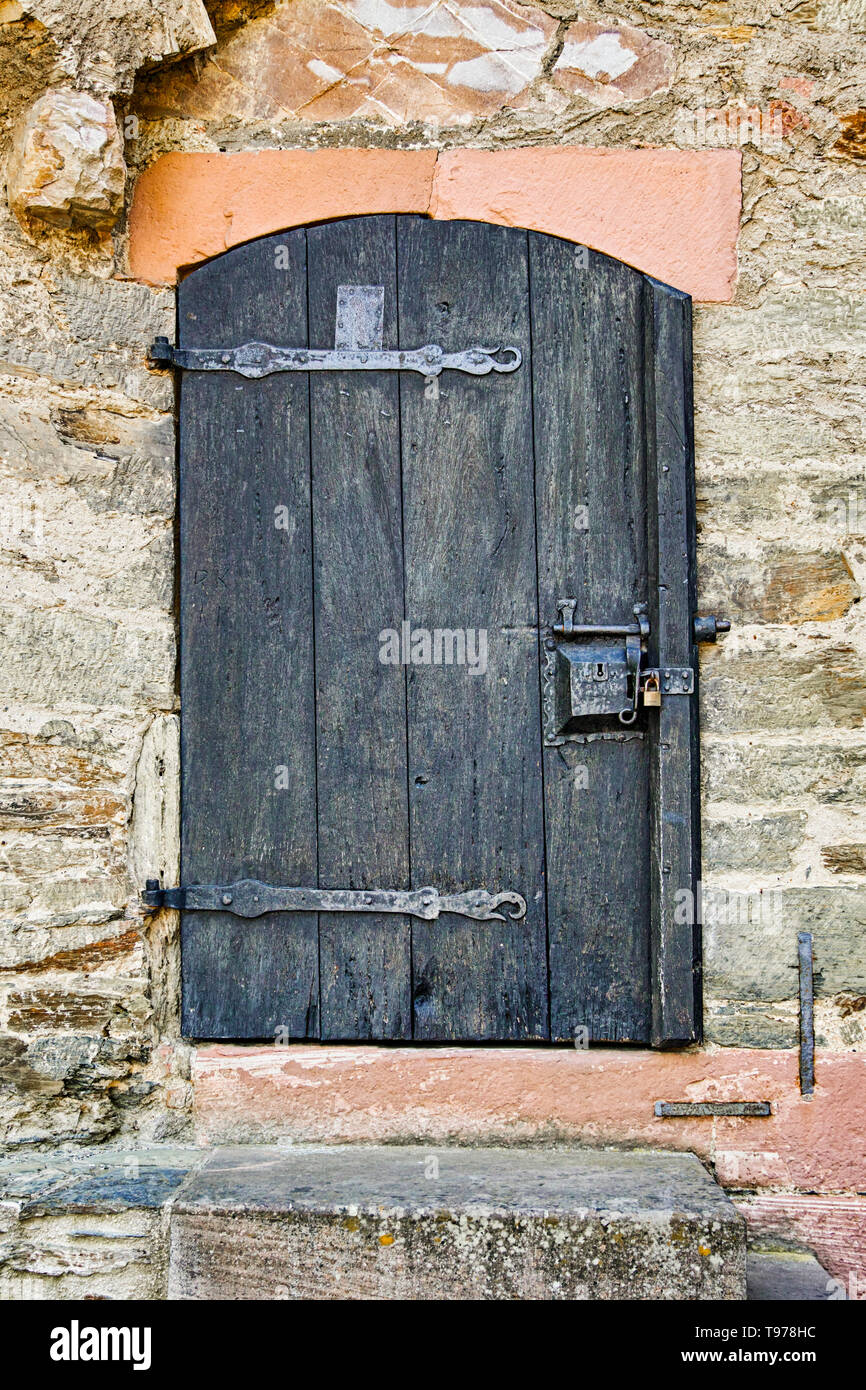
{"x": 249, "y": 898}
{"x": 358, "y": 338}
{"x": 262, "y": 359}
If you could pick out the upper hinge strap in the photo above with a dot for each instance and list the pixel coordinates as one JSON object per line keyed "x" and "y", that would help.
{"x": 358, "y": 336}
{"x": 256, "y": 360}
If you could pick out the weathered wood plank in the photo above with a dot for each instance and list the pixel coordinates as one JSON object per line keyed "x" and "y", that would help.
{"x": 591, "y": 504}
{"x": 674, "y": 780}
{"x": 474, "y": 739}
{"x": 360, "y": 701}
{"x": 246, "y": 659}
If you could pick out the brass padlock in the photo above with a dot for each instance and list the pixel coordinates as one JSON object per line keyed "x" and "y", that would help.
{"x": 652, "y": 695}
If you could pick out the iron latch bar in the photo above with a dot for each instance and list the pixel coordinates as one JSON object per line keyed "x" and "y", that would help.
{"x": 567, "y": 627}
{"x": 256, "y": 360}
{"x": 250, "y": 898}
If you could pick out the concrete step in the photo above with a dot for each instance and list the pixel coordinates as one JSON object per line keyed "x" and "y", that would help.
{"x": 416, "y": 1223}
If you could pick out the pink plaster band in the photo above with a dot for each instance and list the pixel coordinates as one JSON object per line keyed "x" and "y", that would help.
{"x": 672, "y": 213}
{"x": 357, "y": 1094}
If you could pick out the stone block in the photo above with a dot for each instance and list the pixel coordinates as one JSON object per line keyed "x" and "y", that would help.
{"x": 787, "y": 1276}
{"x": 790, "y": 323}
{"x": 776, "y": 584}
{"x": 672, "y": 213}
{"x": 66, "y": 162}
{"x": 118, "y": 953}
{"x": 833, "y": 1226}
{"x": 105, "y": 1005}
{"x": 81, "y": 331}
{"x": 611, "y": 65}
{"x": 784, "y": 772}
{"x": 758, "y": 504}
{"x": 760, "y": 843}
{"x": 780, "y": 686}
{"x": 154, "y": 839}
{"x": 64, "y": 806}
{"x": 397, "y": 63}
{"x": 494, "y": 1096}
{"x": 744, "y": 1023}
{"x": 61, "y": 656}
{"x": 845, "y": 859}
{"x": 88, "y": 1225}
{"x": 103, "y": 46}
{"x": 86, "y": 488}
{"x": 833, "y": 16}
{"x": 114, "y": 564}
{"x": 71, "y": 1087}
{"x": 852, "y": 142}
{"x": 187, "y": 207}
{"x": 750, "y": 942}
{"x": 392, "y": 1223}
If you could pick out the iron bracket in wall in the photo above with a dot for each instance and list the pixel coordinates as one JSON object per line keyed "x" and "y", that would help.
{"x": 707, "y": 629}
{"x": 249, "y": 898}
{"x": 256, "y": 360}
{"x": 702, "y": 1109}
{"x": 807, "y": 1013}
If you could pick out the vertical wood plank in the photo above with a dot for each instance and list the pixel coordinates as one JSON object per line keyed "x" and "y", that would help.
{"x": 246, "y": 656}
{"x": 361, "y": 702}
{"x": 675, "y": 840}
{"x": 474, "y": 739}
{"x": 591, "y": 501}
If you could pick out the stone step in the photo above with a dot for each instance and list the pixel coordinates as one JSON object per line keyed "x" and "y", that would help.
{"x": 395, "y": 1222}
{"x": 789, "y": 1276}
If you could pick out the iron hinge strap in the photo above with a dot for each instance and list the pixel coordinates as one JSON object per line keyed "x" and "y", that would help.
{"x": 250, "y": 898}
{"x": 255, "y": 360}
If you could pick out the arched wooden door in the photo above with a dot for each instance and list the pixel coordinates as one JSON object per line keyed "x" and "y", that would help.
{"x": 387, "y": 683}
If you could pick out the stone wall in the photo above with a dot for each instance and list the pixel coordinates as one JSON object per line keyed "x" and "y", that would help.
{"x": 88, "y": 987}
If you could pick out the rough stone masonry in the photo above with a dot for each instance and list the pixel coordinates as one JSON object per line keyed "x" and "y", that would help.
{"x": 90, "y": 97}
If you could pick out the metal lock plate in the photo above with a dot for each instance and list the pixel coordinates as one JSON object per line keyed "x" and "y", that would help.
{"x": 598, "y": 677}
{"x": 591, "y": 672}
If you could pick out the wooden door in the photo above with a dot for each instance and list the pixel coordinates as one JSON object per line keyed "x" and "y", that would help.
{"x": 371, "y": 566}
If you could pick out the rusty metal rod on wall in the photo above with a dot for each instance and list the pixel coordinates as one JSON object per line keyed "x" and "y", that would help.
{"x": 807, "y": 1013}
